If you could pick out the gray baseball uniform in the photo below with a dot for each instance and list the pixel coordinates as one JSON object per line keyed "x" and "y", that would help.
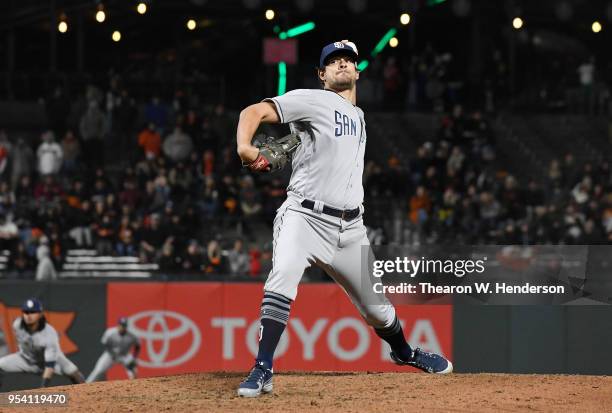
{"x": 36, "y": 351}
{"x": 118, "y": 348}
{"x": 327, "y": 169}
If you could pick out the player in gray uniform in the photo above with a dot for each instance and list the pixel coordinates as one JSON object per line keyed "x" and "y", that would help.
{"x": 321, "y": 221}
{"x": 118, "y": 342}
{"x": 39, "y": 349}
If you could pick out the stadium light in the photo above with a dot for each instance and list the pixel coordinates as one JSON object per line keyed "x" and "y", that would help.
{"x": 270, "y": 14}
{"x": 191, "y": 24}
{"x": 517, "y": 23}
{"x": 282, "y": 78}
{"x": 596, "y": 27}
{"x": 296, "y": 31}
{"x": 100, "y": 14}
{"x": 362, "y": 65}
{"x": 62, "y": 27}
{"x": 383, "y": 42}
{"x": 116, "y": 36}
{"x": 141, "y": 8}
{"x": 405, "y": 19}
{"x": 393, "y": 42}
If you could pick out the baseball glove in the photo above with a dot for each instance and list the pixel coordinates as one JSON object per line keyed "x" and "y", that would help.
{"x": 274, "y": 153}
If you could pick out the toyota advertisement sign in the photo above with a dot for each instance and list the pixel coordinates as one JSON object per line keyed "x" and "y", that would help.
{"x": 191, "y": 327}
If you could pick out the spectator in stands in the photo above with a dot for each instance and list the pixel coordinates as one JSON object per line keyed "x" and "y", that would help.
{"x": 265, "y": 261}
{"x": 45, "y": 270}
{"x": 208, "y": 162}
{"x": 181, "y": 182}
{"x": 6, "y": 149}
{"x": 420, "y": 205}
{"x": 157, "y": 194}
{"x": 8, "y": 233}
{"x": 20, "y": 262}
{"x": 7, "y": 198}
{"x": 209, "y": 198}
{"x": 126, "y": 246}
{"x": 130, "y": 195}
{"x": 214, "y": 262}
{"x": 50, "y": 155}
{"x": 71, "y": 149}
{"x": 250, "y": 199}
{"x": 581, "y": 190}
{"x": 238, "y": 259}
{"x": 455, "y": 160}
{"x": 22, "y": 161}
{"x": 533, "y": 195}
{"x": 490, "y": 210}
{"x": 511, "y": 199}
{"x": 105, "y": 234}
{"x": 156, "y": 113}
{"x": 168, "y": 262}
{"x": 93, "y": 130}
{"x": 177, "y": 146}
{"x": 80, "y": 224}
{"x": 193, "y": 259}
{"x": 152, "y": 237}
{"x": 150, "y": 141}
{"x": 48, "y": 190}
{"x": 24, "y": 193}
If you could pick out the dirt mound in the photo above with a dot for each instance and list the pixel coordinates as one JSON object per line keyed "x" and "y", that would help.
{"x": 341, "y": 392}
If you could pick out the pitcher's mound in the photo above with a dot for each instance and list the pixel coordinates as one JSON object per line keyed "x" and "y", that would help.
{"x": 341, "y": 392}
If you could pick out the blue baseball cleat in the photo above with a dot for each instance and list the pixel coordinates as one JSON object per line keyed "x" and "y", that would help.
{"x": 259, "y": 381}
{"x": 428, "y": 362}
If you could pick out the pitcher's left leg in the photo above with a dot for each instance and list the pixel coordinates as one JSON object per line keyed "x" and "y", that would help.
{"x": 347, "y": 270}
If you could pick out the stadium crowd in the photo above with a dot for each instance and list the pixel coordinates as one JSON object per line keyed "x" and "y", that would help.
{"x": 158, "y": 179}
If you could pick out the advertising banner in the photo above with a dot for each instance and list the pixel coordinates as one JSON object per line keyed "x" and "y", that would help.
{"x": 189, "y": 327}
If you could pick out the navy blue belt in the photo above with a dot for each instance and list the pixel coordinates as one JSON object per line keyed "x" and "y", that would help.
{"x": 345, "y": 214}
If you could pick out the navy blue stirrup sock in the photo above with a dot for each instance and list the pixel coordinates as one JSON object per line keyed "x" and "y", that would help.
{"x": 394, "y": 335}
{"x": 274, "y": 316}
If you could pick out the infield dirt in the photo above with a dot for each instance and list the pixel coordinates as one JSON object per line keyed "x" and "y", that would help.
{"x": 345, "y": 392}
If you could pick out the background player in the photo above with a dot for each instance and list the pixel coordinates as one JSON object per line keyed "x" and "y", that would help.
{"x": 118, "y": 342}
{"x": 321, "y": 220}
{"x": 39, "y": 349}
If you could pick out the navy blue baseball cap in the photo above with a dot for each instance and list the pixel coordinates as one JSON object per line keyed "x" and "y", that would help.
{"x": 337, "y": 48}
{"x": 123, "y": 321}
{"x": 32, "y": 305}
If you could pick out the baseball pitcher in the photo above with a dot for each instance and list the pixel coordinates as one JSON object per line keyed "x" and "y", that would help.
{"x": 118, "y": 342}
{"x": 39, "y": 350}
{"x": 321, "y": 220}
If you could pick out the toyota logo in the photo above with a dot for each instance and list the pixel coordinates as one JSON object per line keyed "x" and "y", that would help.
{"x": 157, "y": 331}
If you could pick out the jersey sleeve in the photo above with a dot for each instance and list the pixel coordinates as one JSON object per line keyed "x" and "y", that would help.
{"x": 52, "y": 347}
{"x": 295, "y": 106}
{"x": 16, "y": 324}
{"x": 106, "y": 336}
